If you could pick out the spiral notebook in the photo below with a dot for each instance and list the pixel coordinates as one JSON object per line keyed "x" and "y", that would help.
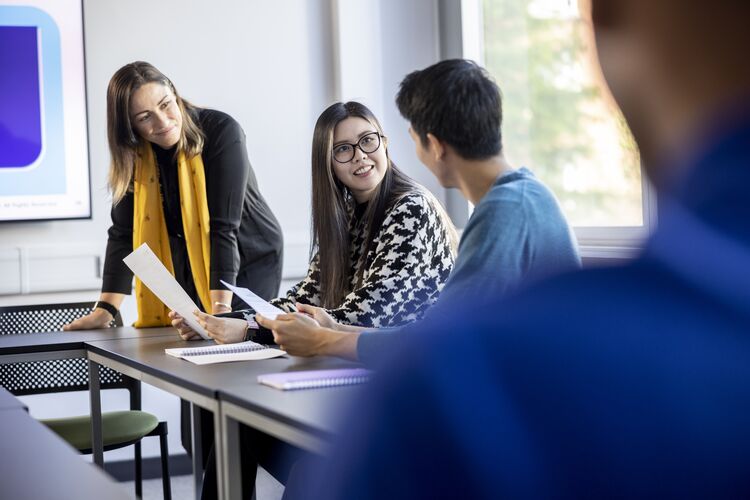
{"x": 223, "y": 353}
{"x": 314, "y": 379}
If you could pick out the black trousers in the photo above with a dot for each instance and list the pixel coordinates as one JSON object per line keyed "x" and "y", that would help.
{"x": 280, "y": 459}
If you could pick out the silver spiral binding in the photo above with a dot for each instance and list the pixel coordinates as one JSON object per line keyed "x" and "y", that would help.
{"x": 327, "y": 382}
{"x": 223, "y": 349}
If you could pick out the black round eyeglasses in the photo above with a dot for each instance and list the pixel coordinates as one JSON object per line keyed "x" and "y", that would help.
{"x": 368, "y": 143}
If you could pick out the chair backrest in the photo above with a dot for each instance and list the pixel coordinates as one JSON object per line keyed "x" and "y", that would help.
{"x": 59, "y": 375}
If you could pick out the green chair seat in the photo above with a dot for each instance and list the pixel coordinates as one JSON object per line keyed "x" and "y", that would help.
{"x": 118, "y": 427}
{"x": 23, "y": 378}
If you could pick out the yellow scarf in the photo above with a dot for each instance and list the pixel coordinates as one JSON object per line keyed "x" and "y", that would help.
{"x": 150, "y": 227}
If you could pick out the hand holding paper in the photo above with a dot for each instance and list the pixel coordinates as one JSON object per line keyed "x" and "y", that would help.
{"x": 155, "y": 276}
{"x": 182, "y": 327}
{"x": 223, "y": 330}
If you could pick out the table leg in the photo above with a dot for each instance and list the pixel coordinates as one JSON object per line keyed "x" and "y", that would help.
{"x": 97, "y": 446}
{"x": 219, "y": 454}
{"x": 232, "y": 476}
{"x": 197, "y": 448}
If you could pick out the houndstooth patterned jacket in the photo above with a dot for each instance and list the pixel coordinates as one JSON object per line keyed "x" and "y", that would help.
{"x": 407, "y": 266}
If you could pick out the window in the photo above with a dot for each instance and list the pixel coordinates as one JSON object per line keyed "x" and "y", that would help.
{"x": 559, "y": 118}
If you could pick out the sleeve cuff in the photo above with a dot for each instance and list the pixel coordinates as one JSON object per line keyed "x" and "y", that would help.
{"x": 117, "y": 284}
{"x": 375, "y": 345}
{"x": 216, "y": 279}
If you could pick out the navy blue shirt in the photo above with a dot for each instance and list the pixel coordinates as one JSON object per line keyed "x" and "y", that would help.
{"x": 631, "y": 381}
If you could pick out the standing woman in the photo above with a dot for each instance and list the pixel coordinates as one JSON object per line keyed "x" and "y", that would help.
{"x": 182, "y": 183}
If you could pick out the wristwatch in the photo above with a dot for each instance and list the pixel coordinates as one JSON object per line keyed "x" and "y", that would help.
{"x": 107, "y": 307}
{"x": 248, "y": 316}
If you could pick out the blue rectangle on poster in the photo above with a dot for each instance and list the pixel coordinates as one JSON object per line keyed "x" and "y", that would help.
{"x": 20, "y": 106}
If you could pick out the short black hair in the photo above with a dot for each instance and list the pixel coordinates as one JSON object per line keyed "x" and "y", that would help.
{"x": 458, "y": 102}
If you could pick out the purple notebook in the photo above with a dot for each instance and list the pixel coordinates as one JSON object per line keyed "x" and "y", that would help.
{"x": 316, "y": 378}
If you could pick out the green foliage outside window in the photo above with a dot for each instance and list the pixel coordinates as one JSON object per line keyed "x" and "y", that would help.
{"x": 559, "y": 119}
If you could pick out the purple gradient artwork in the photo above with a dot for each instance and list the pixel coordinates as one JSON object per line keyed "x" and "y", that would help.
{"x": 20, "y": 106}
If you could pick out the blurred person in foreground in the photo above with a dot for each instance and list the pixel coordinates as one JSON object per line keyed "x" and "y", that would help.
{"x": 626, "y": 382}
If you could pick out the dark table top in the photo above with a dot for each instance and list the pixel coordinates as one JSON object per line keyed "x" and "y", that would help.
{"x": 318, "y": 411}
{"x": 147, "y": 356}
{"x": 9, "y": 402}
{"x": 311, "y": 410}
{"x": 36, "y": 463}
{"x": 62, "y": 341}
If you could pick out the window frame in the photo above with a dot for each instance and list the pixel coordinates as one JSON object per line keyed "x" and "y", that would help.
{"x": 464, "y": 20}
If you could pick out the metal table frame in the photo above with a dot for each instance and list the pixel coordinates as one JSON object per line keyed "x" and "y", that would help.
{"x": 232, "y": 416}
{"x": 227, "y": 415}
{"x": 211, "y": 404}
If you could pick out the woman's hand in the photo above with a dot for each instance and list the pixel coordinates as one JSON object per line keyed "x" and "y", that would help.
{"x": 298, "y": 334}
{"x": 326, "y": 321}
{"x": 222, "y": 330}
{"x": 98, "y": 318}
{"x": 185, "y": 331}
{"x": 318, "y": 314}
{"x": 221, "y": 307}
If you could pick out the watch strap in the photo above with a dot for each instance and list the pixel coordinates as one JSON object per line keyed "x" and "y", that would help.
{"x": 100, "y": 304}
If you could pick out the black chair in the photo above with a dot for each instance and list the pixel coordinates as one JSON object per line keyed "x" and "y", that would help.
{"x": 119, "y": 429}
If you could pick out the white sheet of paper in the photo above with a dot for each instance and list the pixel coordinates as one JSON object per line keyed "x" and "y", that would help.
{"x": 257, "y": 303}
{"x": 149, "y": 269}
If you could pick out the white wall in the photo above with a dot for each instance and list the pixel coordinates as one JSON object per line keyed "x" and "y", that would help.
{"x": 267, "y": 63}
{"x": 272, "y": 64}
{"x": 377, "y": 44}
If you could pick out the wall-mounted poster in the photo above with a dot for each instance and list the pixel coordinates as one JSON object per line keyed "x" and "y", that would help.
{"x": 44, "y": 160}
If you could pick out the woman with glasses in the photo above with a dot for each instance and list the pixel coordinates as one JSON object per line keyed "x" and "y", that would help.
{"x": 383, "y": 250}
{"x": 395, "y": 236}
{"x": 383, "y": 244}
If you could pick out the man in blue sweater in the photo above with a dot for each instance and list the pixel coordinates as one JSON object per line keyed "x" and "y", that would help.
{"x": 629, "y": 382}
{"x": 516, "y": 233}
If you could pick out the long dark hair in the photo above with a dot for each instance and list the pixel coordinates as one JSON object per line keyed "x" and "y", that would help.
{"x": 123, "y": 140}
{"x": 330, "y": 200}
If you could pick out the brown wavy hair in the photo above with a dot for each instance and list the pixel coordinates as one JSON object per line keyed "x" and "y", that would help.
{"x": 331, "y": 214}
{"x": 123, "y": 140}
